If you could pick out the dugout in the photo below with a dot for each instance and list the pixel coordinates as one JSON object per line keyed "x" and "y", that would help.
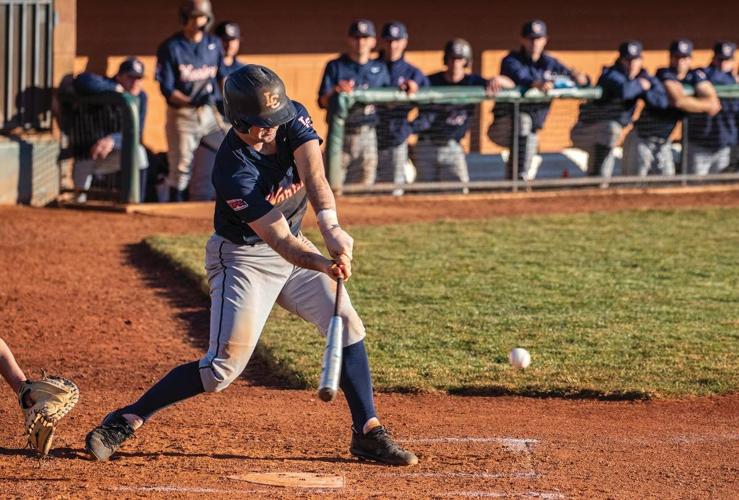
{"x": 297, "y": 39}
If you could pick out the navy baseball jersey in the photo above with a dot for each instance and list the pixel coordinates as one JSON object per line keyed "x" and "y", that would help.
{"x": 524, "y": 71}
{"x": 91, "y": 84}
{"x": 620, "y": 95}
{"x": 393, "y": 128}
{"x": 720, "y": 130}
{"x": 192, "y": 68}
{"x": 373, "y": 74}
{"x": 249, "y": 184}
{"x": 660, "y": 121}
{"x": 441, "y": 122}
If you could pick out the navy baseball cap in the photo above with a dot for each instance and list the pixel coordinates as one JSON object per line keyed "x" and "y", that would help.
{"x": 361, "y": 28}
{"x": 131, "y": 66}
{"x": 228, "y": 30}
{"x": 630, "y": 49}
{"x": 681, "y": 48}
{"x": 394, "y": 30}
{"x": 724, "y": 50}
{"x": 534, "y": 29}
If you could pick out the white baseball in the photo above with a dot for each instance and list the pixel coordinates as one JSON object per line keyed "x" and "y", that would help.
{"x": 519, "y": 358}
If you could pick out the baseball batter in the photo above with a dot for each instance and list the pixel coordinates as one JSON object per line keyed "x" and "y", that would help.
{"x": 189, "y": 65}
{"x": 267, "y": 170}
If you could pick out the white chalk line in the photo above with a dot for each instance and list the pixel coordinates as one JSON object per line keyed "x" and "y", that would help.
{"x": 473, "y": 475}
{"x": 180, "y": 489}
{"x": 546, "y": 495}
{"x": 192, "y": 489}
{"x": 518, "y": 445}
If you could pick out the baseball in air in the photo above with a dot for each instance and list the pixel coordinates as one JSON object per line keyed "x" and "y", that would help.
{"x": 519, "y": 358}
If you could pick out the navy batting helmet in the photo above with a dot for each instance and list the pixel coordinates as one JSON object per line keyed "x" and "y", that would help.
{"x": 458, "y": 48}
{"x": 193, "y": 8}
{"x": 255, "y": 96}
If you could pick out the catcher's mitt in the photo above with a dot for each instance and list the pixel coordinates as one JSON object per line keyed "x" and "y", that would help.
{"x": 44, "y": 402}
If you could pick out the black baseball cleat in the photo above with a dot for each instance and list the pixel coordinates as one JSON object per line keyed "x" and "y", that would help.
{"x": 377, "y": 445}
{"x": 105, "y": 439}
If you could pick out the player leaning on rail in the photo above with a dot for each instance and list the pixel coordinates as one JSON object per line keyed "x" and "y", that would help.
{"x": 267, "y": 169}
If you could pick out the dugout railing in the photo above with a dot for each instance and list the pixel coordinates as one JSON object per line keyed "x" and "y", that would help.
{"x": 83, "y": 120}
{"x": 344, "y": 102}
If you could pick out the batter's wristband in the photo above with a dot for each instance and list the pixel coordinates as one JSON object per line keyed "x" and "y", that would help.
{"x": 327, "y": 219}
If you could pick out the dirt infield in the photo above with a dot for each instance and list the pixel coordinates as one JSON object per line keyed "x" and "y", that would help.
{"x": 80, "y": 296}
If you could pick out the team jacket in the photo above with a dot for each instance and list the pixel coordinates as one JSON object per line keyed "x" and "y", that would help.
{"x": 721, "y": 130}
{"x": 249, "y": 184}
{"x": 393, "y": 128}
{"x": 192, "y": 68}
{"x": 520, "y": 68}
{"x": 620, "y": 94}
{"x": 660, "y": 121}
{"x": 371, "y": 75}
{"x": 442, "y": 122}
{"x": 87, "y": 84}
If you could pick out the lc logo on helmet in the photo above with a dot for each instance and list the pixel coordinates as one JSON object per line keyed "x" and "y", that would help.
{"x": 272, "y": 100}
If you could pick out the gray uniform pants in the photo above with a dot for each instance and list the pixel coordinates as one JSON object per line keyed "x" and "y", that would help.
{"x": 441, "y": 162}
{"x": 598, "y": 140}
{"x": 501, "y": 133}
{"x": 185, "y": 128}
{"x": 359, "y": 159}
{"x": 645, "y": 156}
{"x": 391, "y": 164}
{"x": 704, "y": 161}
{"x": 245, "y": 282}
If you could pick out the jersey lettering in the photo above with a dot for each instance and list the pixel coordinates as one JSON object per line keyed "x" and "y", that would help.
{"x": 188, "y": 73}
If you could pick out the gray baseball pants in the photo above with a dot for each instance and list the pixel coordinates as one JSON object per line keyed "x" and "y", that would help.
{"x": 391, "y": 164}
{"x": 359, "y": 158}
{"x": 245, "y": 282}
{"x": 704, "y": 161}
{"x": 441, "y": 161}
{"x": 501, "y": 133}
{"x": 185, "y": 128}
{"x": 645, "y": 156}
{"x": 598, "y": 140}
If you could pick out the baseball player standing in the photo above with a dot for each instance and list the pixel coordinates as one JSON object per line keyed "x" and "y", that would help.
{"x": 230, "y": 35}
{"x": 711, "y": 138}
{"x": 267, "y": 170}
{"x": 530, "y": 68}
{"x": 647, "y": 147}
{"x": 189, "y": 64}
{"x": 600, "y": 123}
{"x": 441, "y": 127}
{"x": 355, "y": 70}
{"x": 394, "y": 128}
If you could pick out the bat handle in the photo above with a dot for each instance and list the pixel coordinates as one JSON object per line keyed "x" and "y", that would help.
{"x": 337, "y": 302}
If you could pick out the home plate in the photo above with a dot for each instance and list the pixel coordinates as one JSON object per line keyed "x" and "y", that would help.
{"x": 292, "y": 479}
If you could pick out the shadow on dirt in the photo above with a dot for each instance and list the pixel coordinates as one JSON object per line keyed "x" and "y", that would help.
{"x": 231, "y": 456}
{"x": 193, "y": 307}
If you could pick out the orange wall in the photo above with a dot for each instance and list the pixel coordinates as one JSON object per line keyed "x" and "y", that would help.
{"x": 297, "y": 38}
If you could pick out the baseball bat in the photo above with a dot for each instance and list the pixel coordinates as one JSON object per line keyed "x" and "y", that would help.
{"x": 331, "y": 371}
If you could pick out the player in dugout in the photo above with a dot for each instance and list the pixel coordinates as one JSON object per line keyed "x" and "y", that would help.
{"x": 647, "y": 148}
{"x": 530, "y": 67}
{"x": 440, "y": 155}
{"x": 711, "y": 138}
{"x": 600, "y": 123}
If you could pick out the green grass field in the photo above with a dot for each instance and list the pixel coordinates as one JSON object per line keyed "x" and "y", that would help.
{"x": 631, "y": 304}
